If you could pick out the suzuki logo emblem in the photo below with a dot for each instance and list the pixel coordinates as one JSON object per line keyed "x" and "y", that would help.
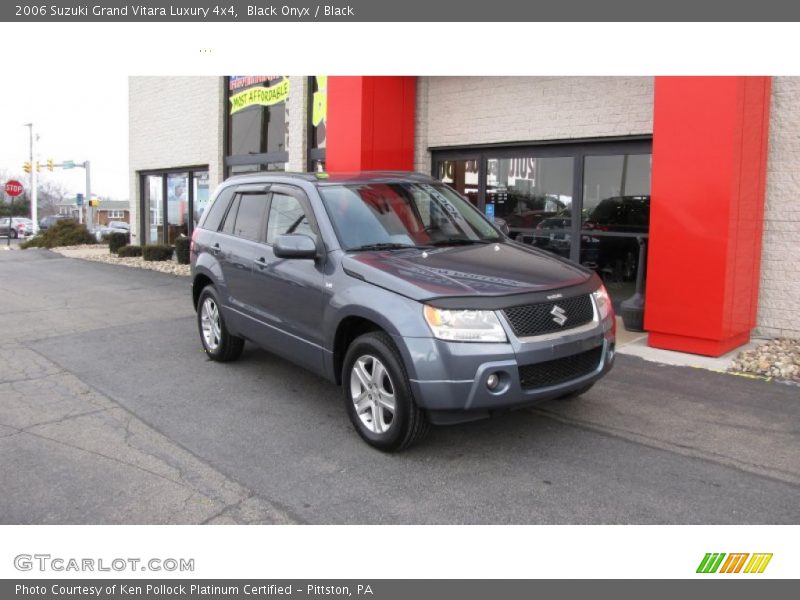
{"x": 559, "y": 315}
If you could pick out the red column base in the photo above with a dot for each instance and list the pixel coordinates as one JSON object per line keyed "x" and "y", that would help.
{"x": 706, "y": 347}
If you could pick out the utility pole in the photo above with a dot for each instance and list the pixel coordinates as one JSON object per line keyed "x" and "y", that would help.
{"x": 89, "y": 212}
{"x": 34, "y": 190}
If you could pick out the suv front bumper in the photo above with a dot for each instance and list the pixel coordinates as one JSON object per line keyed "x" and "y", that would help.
{"x": 453, "y": 376}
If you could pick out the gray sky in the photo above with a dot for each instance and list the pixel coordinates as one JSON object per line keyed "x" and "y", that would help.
{"x": 77, "y": 117}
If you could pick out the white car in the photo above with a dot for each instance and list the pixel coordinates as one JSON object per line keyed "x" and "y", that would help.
{"x": 20, "y": 227}
{"x": 112, "y": 227}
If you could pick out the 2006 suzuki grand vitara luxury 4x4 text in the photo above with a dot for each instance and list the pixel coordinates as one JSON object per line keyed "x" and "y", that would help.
{"x": 396, "y": 288}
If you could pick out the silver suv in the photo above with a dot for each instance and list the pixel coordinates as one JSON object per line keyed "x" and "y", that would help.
{"x": 397, "y": 289}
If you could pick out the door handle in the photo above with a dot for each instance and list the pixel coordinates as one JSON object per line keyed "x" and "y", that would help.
{"x": 261, "y": 262}
{"x": 215, "y": 249}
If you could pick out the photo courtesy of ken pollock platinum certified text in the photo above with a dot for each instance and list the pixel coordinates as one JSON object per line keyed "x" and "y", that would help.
{"x": 193, "y": 589}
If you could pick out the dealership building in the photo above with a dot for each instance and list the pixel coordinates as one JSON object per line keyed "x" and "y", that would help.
{"x": 688, "y": 186}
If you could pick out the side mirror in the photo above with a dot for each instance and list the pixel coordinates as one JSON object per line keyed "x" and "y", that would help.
{"x": 501, "y": 225}
{"x": 294, "y": 245}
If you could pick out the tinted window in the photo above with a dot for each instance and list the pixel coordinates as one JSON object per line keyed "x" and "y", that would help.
{"x": 214, "y": 214}
{"x": 286, "y": 215}
{"x": 250, "y": 216}
{"x": 230, "y": 218}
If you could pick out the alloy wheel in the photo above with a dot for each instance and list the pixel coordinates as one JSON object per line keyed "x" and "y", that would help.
{"x": 210, "y": 324}
{"x": 373, "y": 394}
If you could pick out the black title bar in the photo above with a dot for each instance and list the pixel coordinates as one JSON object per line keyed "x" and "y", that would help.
{"x": 405, "y": 11}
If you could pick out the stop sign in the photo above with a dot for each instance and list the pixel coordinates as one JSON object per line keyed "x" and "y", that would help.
{"x": 13, "y": 188}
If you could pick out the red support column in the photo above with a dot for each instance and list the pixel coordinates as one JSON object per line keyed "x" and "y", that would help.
{"x": 370, "y": 123}
{"x": 707, "y": 209}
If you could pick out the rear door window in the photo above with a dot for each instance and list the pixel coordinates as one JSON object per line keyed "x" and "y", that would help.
{"x": 250, "y": 216}
{"x": 216, "y": 211}
{"x": 230, "y": 218}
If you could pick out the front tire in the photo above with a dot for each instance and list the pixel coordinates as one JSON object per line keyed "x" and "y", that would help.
{"x": 377, "y": 394}
{"x": 219, "y": 344}
{"x": 14, "y": 234}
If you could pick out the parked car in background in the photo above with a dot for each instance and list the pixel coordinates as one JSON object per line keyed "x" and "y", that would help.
{"x": 47, "y": 222}
{"x": 19, "y": 226}
{"x": 111, "y": 227}
{"x": 619, "y": 256}
{"x": 397, "y": 289}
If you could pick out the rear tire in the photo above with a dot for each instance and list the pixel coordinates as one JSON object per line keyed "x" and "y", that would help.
{"x": 377, "y": 394}
{"x": 14, "y": 234}
{"x": 219, "y": 344}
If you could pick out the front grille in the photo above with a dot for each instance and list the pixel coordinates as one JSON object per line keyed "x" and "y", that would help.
{"x": 560, "y": 370}
{"x": 537, "y": 319}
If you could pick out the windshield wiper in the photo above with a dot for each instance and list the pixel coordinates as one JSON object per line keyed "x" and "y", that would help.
{"x": 383, "y": 246}
{"x": 459, "y": 242}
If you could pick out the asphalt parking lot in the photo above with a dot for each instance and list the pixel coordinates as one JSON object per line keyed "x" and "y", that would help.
{"x": 110, "y": 413}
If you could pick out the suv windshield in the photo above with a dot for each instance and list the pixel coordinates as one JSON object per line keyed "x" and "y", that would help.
{"x": 398, "y": 215}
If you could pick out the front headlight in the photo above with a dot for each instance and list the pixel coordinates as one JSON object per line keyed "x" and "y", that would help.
{"x": 603, "y": 302}
{"x": 464, "y": 325}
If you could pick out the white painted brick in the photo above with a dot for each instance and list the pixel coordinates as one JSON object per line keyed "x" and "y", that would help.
{"x": 173, "y": 122}
{"x": 462, "y": 111}
{"x": 778, "y": 308}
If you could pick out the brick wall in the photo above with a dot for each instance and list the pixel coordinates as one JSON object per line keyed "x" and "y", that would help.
{"x": 173, "y": 122}
{"x": 779, "y": 300}
{"x": 456, "y": 111}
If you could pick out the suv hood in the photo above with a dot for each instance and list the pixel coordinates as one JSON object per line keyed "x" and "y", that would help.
{"x": 495, "y": 269}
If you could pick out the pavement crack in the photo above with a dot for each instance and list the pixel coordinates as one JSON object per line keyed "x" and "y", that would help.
{"x": 30, "y": 379}
{"x": 231, "y": 506}
{"x": 106, "y": 456}
{"x": 63, "y": 419}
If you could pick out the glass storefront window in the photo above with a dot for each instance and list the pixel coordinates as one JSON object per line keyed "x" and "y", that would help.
{"x": 257, "y": 118}
{"x": 319, "y": 110}
{"x": 462, "y": 176}
{"x": 616, "y": 207}
{"x": 172, "y": 203}
{"x": 534, "y": 197}
{"x": 586, "y": 201}
{"x": 153, "y": 208}
{"x": 616, "y": 192}
{"x": 177, "y": 206}
{"x": 201, "y": 194}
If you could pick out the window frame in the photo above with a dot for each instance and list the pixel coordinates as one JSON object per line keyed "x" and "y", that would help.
{"x": 261, "y": 159}
{"x": 577, "y": 149}
{"x": 163, "y": 173}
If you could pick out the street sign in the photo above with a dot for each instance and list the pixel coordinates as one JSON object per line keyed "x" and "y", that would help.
{"x": 490, "y": 211}
{"x": 13, "y": 188}
{"x": 68, "y": 164}
{"x": 79, "y": 199}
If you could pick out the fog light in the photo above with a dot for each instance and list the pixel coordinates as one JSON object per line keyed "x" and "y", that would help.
{"x": 492, "y": 381}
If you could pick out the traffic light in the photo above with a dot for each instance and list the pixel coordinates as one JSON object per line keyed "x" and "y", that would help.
{"x": 38, "y": 166}
{"x": 26, "y": 166}
{"x": 49, "y": 164}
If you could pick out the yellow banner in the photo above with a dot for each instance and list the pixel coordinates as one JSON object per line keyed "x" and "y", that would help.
{"x": 260, "y": 95}
{"x": 319, "y": 110}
